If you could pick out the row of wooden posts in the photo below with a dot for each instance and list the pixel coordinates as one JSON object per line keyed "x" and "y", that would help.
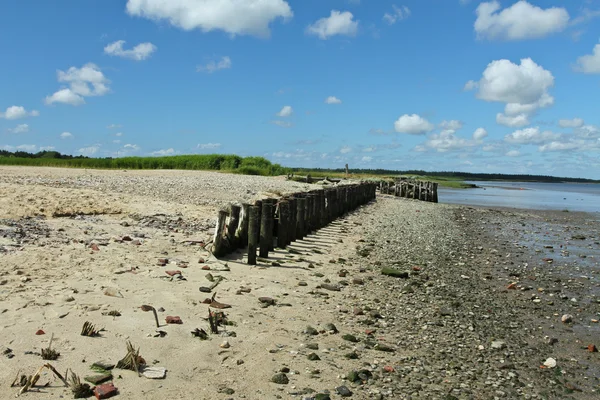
{"x": 279, "y": 222}
{"x": 412, "y": 189}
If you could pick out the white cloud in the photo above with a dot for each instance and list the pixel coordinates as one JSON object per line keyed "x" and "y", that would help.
{"x": 131, "y": 147}
{"x": 16, "y": 112}
{"x": 114, "y": 126}
{"x": 21, "y": 128}
{"x": 333, "y": 100}
{"x": 31, "y": 148}
{"x": 559, "y": 146}
{"x": 366, "y": 159}
{"x": 587, "y": 132}
{"x": 413, "y": 124}
{"x": 286, "y": 111}
{"x": 116, "y": 141}
{"x": 212, "y": 66}
{"x": 47, "y": 148}
{"x": 140, "y": 52}
{"x": 345, "y": 149}
{"x": 164, "y": 152}
{"x": 589, "y": 63}
{"x": 515, "y": 121}
{"x": 524, "y": 89}
{"x": 452, "y": 124}
{"x": 83, "y": 82}
{"x": 570, "y": 123}
{"x": 446, "y": 140}
{"x": 119, "y": 134}
{"x": 513, "y": 153}
{"x": 479, "y": 134}
{"x": 531, "y": 136}
{"x": 519, "y": 21}
{"x": 398, "y": 14}
{"x": 89, "y": 151}
{"x": 205, "y": 146}
{"x": 283, "y": 124}
{"x": 338, "y": 23}
{"x": 66, "y": 135}
{"x": 248, "y": 17}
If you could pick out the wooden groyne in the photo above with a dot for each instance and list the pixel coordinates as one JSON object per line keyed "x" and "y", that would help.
{"x": 271, "y": 221}
{"x": 411, "y": 189}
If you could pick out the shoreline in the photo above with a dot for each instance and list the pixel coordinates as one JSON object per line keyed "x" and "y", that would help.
{"x": 450, "y": 327}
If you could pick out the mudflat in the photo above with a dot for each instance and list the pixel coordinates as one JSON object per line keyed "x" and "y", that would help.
{"x": 477, "y": 311}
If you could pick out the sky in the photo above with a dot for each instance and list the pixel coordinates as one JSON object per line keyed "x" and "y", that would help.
{"x": 435, "y": 85}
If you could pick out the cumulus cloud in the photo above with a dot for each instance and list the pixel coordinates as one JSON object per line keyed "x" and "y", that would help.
{"x": 452, "y": 124}
{"x": 519, "y": 21}
{"x": 248, "y": 17}
{"x": 398, "y": 14}
{"x": 208, "y": 146}
{"x": 131, "y": 147}
{"x": 286, "y": 111}
{"x": 66, "y": 135}
{"x": 345, "y": 149}
{"x": 83, "y": 82}
{"x": 21, "y": 128}
{"x": 413, "y": 125}
{"x": 16, "y": 112}
{"x": 589, "y": 63}
{"x": 366, "y": 159}
{"x": 447, "y": 140}
{"x": 524, "y": 88}
{"x": 138, "y": 53}
{"x": 212, "y": 66}
{"x": 479, "y": 134}
{"x": 163, "y": 152}
{"x": 562, "y": 146}
{"x": 333, "y": 100}
{"x": 513, "y": 153}
{"x": 338, "y": 23}
{"x": 570, "y": 123}
{"x": 531, "y": 136}
{"x": 89, "y": 151}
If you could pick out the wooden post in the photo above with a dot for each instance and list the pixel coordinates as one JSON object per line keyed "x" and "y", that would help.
{"x": 266, "y": 233}
{"x": 253, "y": 231}
{"x": 241, "y": 234}
{"x": 234, "y": 221}
{"x": 219, "y": 242}
{"x": 300, "y": 218}
{"x": 271, "y": 227}
{"x": 435, "y": 192}
{"x": 292, "y": 221}
{"x": 282, "y": 228}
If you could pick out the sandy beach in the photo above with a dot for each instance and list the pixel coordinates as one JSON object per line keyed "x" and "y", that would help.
{"x": 476, "y": 316}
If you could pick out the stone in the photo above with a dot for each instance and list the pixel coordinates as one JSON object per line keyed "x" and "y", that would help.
{"x": 351, "y": 338}
{"x": 592, "y": 348}
{"x": 98, "y": 379}
{"x": 498, "y": 345}
{"x": 267, "y": 301}
{"x": 313, "y": 357}
{"x": 394, "y": 273}
{"x": 333, "y": 288}
{"x": 225, "y": 344}
{"x": 311, "y": 331}
{"x": 343, "y": 391}
{"x": 550, "y": 363}
{"x": 566, "y": 318}
{"x": 173, "y": 273}
{"x": 302, "y": 283}
{"x": 103, "y": 365}
{"x": 312, "y": 346}
{"x": 322, "y": 396}
{"x": 280, "y": 379}
{"x": 331, "y": 328}
{"x": 173, "y": 320}
{"x": 105, "y": 391}
{"x": 155, "y": 372}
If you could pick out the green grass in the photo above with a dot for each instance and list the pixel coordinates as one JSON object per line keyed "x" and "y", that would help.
{"x": 210, "y": 162}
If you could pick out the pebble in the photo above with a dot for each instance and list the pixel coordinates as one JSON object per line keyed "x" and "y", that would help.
{"x": 567, "y": 318}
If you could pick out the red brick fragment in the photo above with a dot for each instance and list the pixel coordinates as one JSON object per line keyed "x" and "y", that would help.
{"x": 512, "y": 286}
{"x": 105, "y": 391}
{"x": 126, "y": 238}
{"x": 201, "y": 261}
{"x": 388, "y": 368}
{"x": 173, "y": 273}
{"x": 40, "y": 332}
{"x": 206, "y": 267}
{"x": 94, "y": 247}
{"x": 173, "y": 320}
{"x": 592, "y": 348}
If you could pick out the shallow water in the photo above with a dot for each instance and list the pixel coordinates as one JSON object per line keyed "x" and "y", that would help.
{"x": 528, "y": 195}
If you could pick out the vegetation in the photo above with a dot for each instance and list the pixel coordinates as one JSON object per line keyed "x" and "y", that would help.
{"x": 211, "y": 162}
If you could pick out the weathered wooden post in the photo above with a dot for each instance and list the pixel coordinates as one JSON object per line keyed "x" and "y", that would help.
{"x": 322, "y": 217}
{"x": 219, "y": 241}
{"x": 308, "y": 214}
{"x": 266, "y": 232}
{"x": 253, "y": 232}
{"x": 241, "y": 234}
{"x": 292, "y": 221}
{"x": 435, "y": 192}
{"x": 234, "y": 221}
{"x": 283, "y": 225}
{"x": 300, "y": 217}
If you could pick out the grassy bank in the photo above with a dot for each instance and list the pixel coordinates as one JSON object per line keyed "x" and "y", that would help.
{"x": 209, "y": 162}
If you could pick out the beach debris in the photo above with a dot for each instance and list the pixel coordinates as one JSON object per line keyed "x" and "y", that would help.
{"x": 215, "y": 281}
{"x": 48, "y": 353}
{"x": 162, "y": 262}
{"x": 102, "y": 366}
{"x": 112, "y": 292}
{"x": 146, "y": 308}
{"x": 40, "y": 332}
{"x": 99, "y": 379}
{"x": 394, "y": 273}
{"x": 213, "y": 322}
{"x": 112, "y": 313}
{"x": 154, "y": 372}
{"x": 592, "y": 348}
{"x": 566, "y": 318}
{"x": 7, "y": 352}
{"x": 132, "y": 360}
{"x": 80, "y": 390}
{"x": 173, "y": 320}
{"x": 27, "y": 382}
{"x": 214, "y": 303}
{"x": 225, "y": 344}
{"x": 160, "y": 333}
{"x": 173, "y": 273}
{"x": 200, "y": 333}
{"x": 105, "y": 391}
{"x": 267, "y": 301}
{"x": 89, "y": 329}
{"x": 498, "y": 344}
{"x": 549, "y": 363}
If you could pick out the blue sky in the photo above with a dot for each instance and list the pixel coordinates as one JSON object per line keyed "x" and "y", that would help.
{"x": 497, "y": 86}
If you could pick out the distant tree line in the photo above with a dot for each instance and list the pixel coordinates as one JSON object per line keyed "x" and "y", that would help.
{"x": 40, "y": 154}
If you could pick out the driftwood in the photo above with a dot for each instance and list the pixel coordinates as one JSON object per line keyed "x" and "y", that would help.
{"x": 32, "y": 379}
{"x": 146, "y": 307}
{"x": 48, "y": 353}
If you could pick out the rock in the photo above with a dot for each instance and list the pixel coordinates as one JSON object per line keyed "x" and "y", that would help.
{"x": 302, "y": 283}
{"x": 395, "y": 273}
{"x": 383, "y": 347}
{"x": 498, "y": 345}
{"x": 311, "y": 331}
{"x": 173, "y": 272}
{"x": 226, "y": 390}
{"x": 343, "y": 391}
{"x": 350, "y": 338}
{"x": 592, "y": 348}
{"x": 280, "y": 379}
{"x": 313, "y": 357}
{"x": 225, "y": 345}
{"x": 550, "y": 363}
{"x": 112, "y": 292}
{"x": 105, "y": 391}
{"x": 358, "y": 281}
{"x": 322, "y": 396}
{"x": 98, "y": 379}
{"x": 351, "y": 356}
{"x": 333, "y": 288}
{"x": 103, "y": 365}
{"x": 155, "y": 372}
{"x": 551, "y": 341}
{"x": 173, "y": 320}
{"x": 312, "y": 346}
{"x": 566, "y": 318}
{"x": 331, "y": 328}
{"x": 267, "y": 301}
